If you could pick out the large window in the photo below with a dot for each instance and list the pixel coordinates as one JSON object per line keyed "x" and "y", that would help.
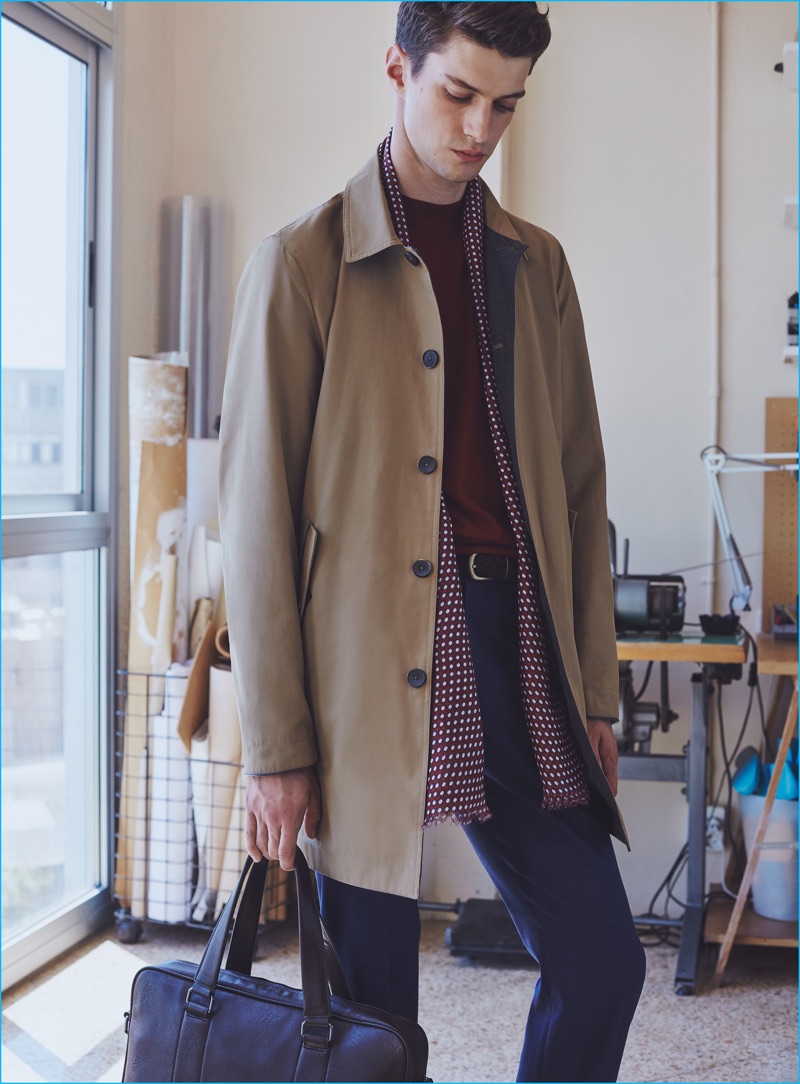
{"x": 56, "y": 488}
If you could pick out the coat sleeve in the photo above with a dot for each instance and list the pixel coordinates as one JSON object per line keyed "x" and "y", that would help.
{"x": 271, "y": 390}
{"x": 583, "y": 465}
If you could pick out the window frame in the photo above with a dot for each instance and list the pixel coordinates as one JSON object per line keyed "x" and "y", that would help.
{"x": 51, "y": 523}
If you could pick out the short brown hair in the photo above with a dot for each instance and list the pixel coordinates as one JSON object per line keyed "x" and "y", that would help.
{"x": 514, "y": 29}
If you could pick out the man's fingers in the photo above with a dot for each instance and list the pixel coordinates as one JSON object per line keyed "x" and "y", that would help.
{"x": 250, "y": 838}
{"x": 313, "y": 816}
{"x": 610, "y": 771}
{"x": 279, "y": 804}
{"x": 287, "y": 848}
{"x": 272, "y": 833}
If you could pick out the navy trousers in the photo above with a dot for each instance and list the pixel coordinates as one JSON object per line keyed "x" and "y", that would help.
{"x": 554, "y": 869}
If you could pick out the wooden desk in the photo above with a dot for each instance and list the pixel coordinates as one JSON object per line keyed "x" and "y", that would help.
{"x": 713, "y": 654}
{"x": 777, "y": 656}
{"x": 683, "y": 647}
{"x": 743, "y": 924}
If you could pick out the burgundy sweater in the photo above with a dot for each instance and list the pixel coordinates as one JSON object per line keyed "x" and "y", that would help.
{"x": 471, "y": 482}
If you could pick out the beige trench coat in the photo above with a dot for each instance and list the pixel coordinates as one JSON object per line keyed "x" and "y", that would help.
{"x": 328, "y": 409}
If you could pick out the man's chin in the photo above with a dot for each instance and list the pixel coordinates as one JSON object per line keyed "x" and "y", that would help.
{"x": 463, "y": 172}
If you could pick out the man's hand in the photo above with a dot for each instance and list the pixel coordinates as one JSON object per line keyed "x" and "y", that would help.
{"x": 276, "y": 806}
{"x": 601, "y": 735}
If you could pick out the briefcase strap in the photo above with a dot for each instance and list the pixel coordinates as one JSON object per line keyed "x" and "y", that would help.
{"x": 316, "y": 1031}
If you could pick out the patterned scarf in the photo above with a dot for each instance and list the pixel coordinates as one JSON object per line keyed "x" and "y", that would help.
{"x": 455, "y": 769}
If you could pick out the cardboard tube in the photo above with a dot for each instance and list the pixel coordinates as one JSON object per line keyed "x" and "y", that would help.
{"x": 170, "y": 851}
{"x": 198, "y": 566}
{"x": 162, "y": 649}
{"x": 221, "y": 790}
{"x": 201, "y": 618}
{"x": 222, "y": 642}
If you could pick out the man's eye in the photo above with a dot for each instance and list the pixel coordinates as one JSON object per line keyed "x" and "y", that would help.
{"x": 454, "y": 98}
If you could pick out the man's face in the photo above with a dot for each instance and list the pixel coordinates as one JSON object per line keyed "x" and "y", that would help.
{"x": 451, "y": 114}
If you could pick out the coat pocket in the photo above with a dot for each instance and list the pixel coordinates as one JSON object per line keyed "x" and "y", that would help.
{"x": 306, "y": 566}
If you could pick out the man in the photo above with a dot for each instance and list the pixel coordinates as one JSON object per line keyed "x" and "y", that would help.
{"x": 412, "y": 500}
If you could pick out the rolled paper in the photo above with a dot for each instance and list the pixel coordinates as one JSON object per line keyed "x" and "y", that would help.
{"x": 193, "y": 292}
{"x": 157, "y": 391}
{"x": 160, "y": 521}
{"x": 202, "y": 465}
{"x": 170, "y": 851}
{"x": 222, "y": 642}
{"x": 221, "y": 611}
{"x": 201, "y": 619}
{"x": 199, "y": 586}
{"x": 195, "y": 705}
{"x": 221, "y": 791}
{"x": 214, "y": 566}
{"x": 162, "y": 649}
{"x": 202, "y": 519}
{"x": 175, "y": 690}
{"x": 203, "y": 904}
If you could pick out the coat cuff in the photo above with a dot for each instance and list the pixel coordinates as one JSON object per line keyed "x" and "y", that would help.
{"x": 271, "y": 759}
{"x": 602, "y": 703}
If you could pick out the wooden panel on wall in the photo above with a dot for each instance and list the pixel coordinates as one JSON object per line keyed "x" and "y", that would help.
{"x": 780, "y": 512}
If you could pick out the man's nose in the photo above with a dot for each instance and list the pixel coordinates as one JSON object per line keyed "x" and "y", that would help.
{"x": 477, "y": 122}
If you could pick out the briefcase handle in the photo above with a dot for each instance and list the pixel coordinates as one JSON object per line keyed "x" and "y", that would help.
{"x": 316, "y": 1027}
{"x": 243, "y": 938}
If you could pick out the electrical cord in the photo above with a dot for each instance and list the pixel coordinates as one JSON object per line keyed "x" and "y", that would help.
{"x": 658, "y": 935}
{"x": 757, "y": 682}
{"x": 645, "y": 682}
{"x": 728, "y": 776}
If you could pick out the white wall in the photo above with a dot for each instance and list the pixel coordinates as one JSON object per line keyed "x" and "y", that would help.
{"x": 612, "y": 152}
{"x": 145, "y": 72}
{"x": 277, "y": 105}
{"x": 270, "y": 107}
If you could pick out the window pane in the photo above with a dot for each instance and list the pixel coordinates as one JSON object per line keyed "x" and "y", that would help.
{"x": 44, "y": 103}
{"x": 50, "y": 801}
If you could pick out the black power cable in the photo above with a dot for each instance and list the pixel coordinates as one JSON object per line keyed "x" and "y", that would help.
{"x": 652, "y": 924}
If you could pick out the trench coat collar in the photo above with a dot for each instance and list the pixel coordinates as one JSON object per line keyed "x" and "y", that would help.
{"x": 368, "y": 224}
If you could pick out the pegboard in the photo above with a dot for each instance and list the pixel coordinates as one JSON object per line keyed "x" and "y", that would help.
{"x": 780, "y": 512}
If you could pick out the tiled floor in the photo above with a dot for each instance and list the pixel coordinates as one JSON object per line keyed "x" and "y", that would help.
{"x": 67, "y": 1024}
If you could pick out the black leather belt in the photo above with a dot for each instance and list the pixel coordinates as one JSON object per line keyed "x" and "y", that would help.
{"x": 488, "y": 566}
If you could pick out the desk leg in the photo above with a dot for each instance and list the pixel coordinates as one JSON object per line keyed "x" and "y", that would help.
{"x": 692, "y": 930}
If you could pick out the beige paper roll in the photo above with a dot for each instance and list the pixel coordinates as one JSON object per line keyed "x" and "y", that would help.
{"x": 162, "y": 649}
{"x": 221, "y": 791}
{"x": 201, "y": 618}
{"x": 157, "y": 422}
{"x": 157, "y": 389}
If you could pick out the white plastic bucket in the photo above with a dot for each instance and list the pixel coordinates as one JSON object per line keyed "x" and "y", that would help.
{"x": 775, "y": 880}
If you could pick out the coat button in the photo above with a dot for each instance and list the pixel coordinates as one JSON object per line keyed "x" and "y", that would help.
{"x": 422, "y": 568}
{"x": 427, "y": 464}
{"x": 416, "y": 678}
{"x": 412, "y": 257}
{"x": 430, "y": 359}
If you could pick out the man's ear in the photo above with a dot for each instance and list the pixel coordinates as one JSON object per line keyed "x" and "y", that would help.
{"x": 398, "y": 68}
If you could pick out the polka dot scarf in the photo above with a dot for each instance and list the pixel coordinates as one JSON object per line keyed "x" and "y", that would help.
{"x": 455, "y": 769}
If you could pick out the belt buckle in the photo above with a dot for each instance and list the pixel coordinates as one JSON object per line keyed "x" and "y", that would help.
{"x": 471, "y": 567}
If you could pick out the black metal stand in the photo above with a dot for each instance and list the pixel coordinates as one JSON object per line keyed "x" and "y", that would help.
{"x": 691, "y": 770}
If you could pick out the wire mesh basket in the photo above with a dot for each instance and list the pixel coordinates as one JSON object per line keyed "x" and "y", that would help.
{"x": 179, "y": 814}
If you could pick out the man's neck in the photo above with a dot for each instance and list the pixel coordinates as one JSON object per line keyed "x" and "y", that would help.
{"x": 417, "y": 180}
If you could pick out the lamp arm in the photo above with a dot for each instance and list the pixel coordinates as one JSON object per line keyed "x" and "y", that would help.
{"x": 742, "y": 587}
